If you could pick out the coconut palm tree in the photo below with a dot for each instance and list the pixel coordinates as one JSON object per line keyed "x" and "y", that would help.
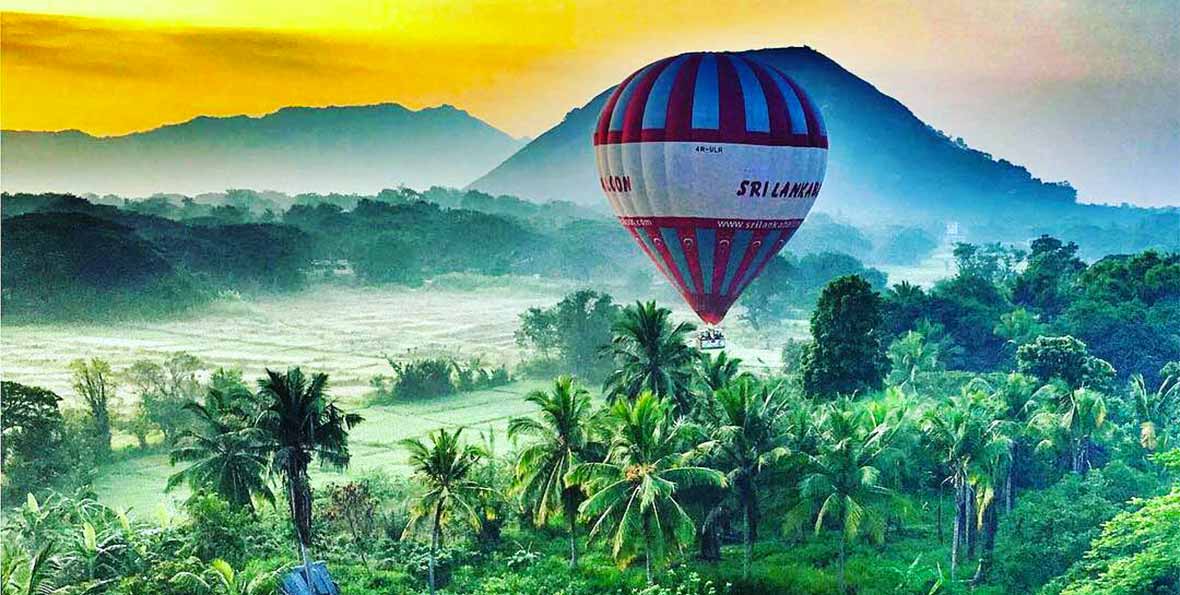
{"x": 716, "y": 371}
{"x": 1154, "y": 410}
{"x": 300, "y": 423}
{"x": 633, "y": 493}
{"x": 746, "y": 437}
{"x": 973, "y": 450}
{"x": 651, "y": 353}
{"x": 229, "y": 455}
{"x": 842, "y": 481}
{"x": 1076, "y": 420}
{"x": 560, "y": 435}
{"x": 446, "y": 469}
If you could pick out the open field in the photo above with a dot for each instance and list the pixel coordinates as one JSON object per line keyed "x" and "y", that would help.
{"x": 345, "y": 331}
{"x": 138, "y": 482}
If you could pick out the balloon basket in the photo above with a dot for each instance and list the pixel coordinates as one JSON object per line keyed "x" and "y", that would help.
{"x": 710, "y": 339}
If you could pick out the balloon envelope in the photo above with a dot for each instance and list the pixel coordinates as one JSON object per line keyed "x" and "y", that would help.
{"x": 711, "y": 161}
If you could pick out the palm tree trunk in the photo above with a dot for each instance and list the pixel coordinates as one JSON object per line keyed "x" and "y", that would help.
{"x": 940, "y": 499}
{"x": 1008, "y": 491}
{"x": 751, "y": 532}
{"x": 972, "y": 532}
{"x": 298, "y": 535}
{"x": 843, "y": 540}
{"x": 434, "y": 539}
{"x": 708, "y": 536}
{"x": 960, "y": 514}
{"x": 571, "y": 516}
{"x": 647, "y": 548}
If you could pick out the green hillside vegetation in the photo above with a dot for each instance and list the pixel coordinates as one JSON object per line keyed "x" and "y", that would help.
{"x": 976, "y": 437}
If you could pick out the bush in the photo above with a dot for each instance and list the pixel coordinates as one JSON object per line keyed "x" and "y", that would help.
{"x": 436, "y": 377}
{"x": 1050, "y": 529}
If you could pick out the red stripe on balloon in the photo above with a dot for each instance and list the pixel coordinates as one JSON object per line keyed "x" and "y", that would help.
{"x": 678, "y": 120}
{"x": 731, "y": 106}
{"x": 688, "y": 245}
{"x": 648, "y": 135}
{"x": 721, "y": 258}
{"x": 776, "y": 104}
{"x": 751, "y": 251}
{"x": 633, "y": 116}
{"x": 600, "y": 131}
{"x": 809, "y": 109}
{"x": 670, "y": 269}
{"x": 710, "y": 222}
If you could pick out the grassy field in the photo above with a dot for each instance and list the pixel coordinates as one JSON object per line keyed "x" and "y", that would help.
{"x": 137, "y": 482}
{"x": 346, "y": 332}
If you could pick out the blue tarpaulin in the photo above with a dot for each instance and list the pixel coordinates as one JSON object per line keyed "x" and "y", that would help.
{"x": 295, "y": 581}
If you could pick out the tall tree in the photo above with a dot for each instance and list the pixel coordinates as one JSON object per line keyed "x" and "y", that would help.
{"x": 845, "y": 355}
{"x": 842, "y": 481}
{"x": 94, "y": 383}
{"x": 300, "y": 423}
{"x": 716, "y": 371}
{"x": 745, "y": 439}
{"x": 1072, "y": 424}
{"x": 164, "y": 389}
{"x": 561, "y": 436}
{"x": 445, "y": 468}
{"x": 651, "y": 353}
{"x": 1156, "y": 411}
{"x": 228, "y": 454}
{"x": 633, "y": 493}
{"x": 1066, "y": 359}
{"x": 973, "y": 450}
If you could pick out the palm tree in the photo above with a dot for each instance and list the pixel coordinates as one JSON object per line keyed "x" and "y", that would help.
{"x": 1072, "y": 425}
{"x": 715, "y": 372}
{"x": 445, "y": 468}
{"x": 560, "y": 435}
{"x": 229, "y": 457}
{"x": 746, "y": 438}
{"x": 301, "y": 423}
{"x": 842, "y": 483}
{"x": 1018, "y": 401}
{"x": 973, "y": 450}
{"x": 633, "y": 493}
{"x": 1154, "y": 410}
{"x": 221, "y": 578}
{"x": 651, "y": 354}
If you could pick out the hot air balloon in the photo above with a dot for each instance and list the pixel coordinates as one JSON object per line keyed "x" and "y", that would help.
{"x": 711, "y": 161}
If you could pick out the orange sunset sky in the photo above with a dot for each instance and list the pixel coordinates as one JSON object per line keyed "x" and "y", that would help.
{"x": 1044, "y": 83}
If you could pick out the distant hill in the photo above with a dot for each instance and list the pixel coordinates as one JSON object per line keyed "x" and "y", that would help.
{"x": 295, "y": 149}
{"x": 884, "y": 161}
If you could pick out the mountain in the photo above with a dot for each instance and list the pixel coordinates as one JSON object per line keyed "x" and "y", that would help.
{"x": 883, "y": 163}
{"x": 295, "y": 149}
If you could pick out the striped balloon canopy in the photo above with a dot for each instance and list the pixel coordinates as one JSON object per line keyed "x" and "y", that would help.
{"x": 711, "y": 161}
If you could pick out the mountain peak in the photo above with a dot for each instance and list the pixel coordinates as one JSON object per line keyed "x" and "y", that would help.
{"x": 883, "y": 159}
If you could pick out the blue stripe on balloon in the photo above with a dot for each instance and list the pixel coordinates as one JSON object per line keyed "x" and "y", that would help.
{"x": 794, "y": 107}
{"x": 706, "y": 243}
{"x": 764, "y": 252}
{"x": 655, "y": 113}
{"x": 647, "y": 243}
{"x": 616, "y": 117}
{"x": 672, "y": 242}
{"x": 704, "y": 98}
{"x": 757, "y": 113}
{"x": 741, "y": 240}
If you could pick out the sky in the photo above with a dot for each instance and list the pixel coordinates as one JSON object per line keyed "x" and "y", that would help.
{"x": 1084, "y": 91}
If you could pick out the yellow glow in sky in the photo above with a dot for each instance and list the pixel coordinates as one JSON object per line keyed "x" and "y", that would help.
{"x": 114, "y": 67}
